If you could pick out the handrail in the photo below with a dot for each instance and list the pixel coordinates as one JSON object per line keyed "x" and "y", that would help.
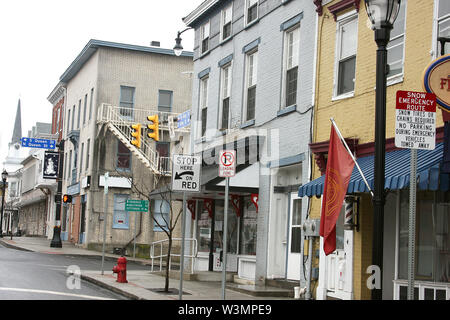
{"x": 161, "y": 242}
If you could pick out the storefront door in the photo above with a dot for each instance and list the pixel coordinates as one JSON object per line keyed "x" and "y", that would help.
{"x": 295, "y": 237}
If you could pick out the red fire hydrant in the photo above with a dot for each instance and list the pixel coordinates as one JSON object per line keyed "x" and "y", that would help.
{"x": 121, "y": 270}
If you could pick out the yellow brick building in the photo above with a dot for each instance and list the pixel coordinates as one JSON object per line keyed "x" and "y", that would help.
{"x": 345, "y": 91}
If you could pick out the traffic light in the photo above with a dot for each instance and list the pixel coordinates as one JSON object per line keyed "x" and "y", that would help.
{"x": 67, "y": 198}
{"x": 155, "y": 127}
{"x": 136, "y": 134}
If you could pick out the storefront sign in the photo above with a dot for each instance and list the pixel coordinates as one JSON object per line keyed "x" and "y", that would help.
{"x": 415, "y": 120}
{"x": 436, "y": 79}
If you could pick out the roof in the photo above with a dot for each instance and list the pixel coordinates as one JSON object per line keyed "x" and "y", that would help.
{"x": 199, "y": 11}
{"x": 92, "y": 46}
{"x": 397, "y": 170}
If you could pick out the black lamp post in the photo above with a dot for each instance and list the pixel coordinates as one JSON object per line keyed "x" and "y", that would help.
{"x": 382, "y": 14}
{"x": 178, "y": 48}
{"x": 4, "y": 177}
{"x": 56, "y": 240}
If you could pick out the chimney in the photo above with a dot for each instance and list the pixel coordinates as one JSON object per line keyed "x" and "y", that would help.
{"x": 155, "y": 44}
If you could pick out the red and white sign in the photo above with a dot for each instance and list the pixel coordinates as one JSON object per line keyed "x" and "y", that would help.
{"x": 227, "y": 163}
{"x": 415, "y": 120}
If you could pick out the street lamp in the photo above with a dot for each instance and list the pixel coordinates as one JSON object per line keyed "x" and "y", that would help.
{"x": 178, "y": 48}
{"x": 382, "y": 14}
{"x": 4, "y": 177}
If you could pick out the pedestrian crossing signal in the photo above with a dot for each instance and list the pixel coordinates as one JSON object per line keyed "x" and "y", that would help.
{"x": 67, "y": 198}
{"x": 154, "y": 127}
{"x": 136, "y": 134}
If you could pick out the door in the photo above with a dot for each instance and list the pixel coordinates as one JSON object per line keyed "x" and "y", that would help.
{"x": 295, "y": 237}
{"x": 339, "y": 264}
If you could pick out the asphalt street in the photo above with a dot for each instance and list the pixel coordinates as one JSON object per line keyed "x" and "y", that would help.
{"x": 37, "y": 276}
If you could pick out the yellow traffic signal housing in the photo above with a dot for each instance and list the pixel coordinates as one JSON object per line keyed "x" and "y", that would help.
{"x": 67, "y": 198}
{"x": 154, "y": 127}
{"x": 136, "y": 134}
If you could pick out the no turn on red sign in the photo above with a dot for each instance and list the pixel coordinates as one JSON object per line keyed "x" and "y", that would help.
{"x": 227, "y": 163}
{"x": 415, "y": 120}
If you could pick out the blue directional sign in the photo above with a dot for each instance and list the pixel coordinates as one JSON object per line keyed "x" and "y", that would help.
{"x": 38, "y": 143}
{"x": 184, "y": 119}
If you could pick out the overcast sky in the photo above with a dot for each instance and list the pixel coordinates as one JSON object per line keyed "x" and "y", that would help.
{"x": 40, "y": 39}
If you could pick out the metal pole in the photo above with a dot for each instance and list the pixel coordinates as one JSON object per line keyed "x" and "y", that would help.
{"x": 183, "y": 235}
{"x": 56, "y": 241}
{"x": 225, "y": 236}
{"x": 134, "y": 240}
{"x": 104, "y": 219}
{"x": 381, "y": 38}
{"x": 412, "y": 223}
{"x": 3, "y": 204}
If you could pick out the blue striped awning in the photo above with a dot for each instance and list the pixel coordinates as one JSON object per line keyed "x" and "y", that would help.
{"x": 397, "y": 170}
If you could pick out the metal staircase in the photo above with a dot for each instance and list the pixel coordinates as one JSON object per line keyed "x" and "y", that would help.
{"x": 119, "y": 120}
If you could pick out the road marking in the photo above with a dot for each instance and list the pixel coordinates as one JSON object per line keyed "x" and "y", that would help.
{"x": 55, "y": 293}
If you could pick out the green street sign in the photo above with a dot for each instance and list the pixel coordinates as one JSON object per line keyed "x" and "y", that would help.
{"x": 136, "y": 205}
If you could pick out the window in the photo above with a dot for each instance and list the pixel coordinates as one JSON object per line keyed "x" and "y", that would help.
{"x": 58, "y": 115}
{"x": 296, "y": 228}
{"x": 432, "y": 236}
{"x": 164, "y": 104}
{"x": 65, "y": 165}
{"x": 443, "y": 24}
{"x": 81, "y": 158}
{"x": 203, "y": 104}
{"x": 126, "y": 101}
{"x": 225, "y": 97}
{"x": 85, "y": 108}
{"x": 123, "y": 157}
{"x": 90, "y": 103}
{"x": 226, "y": 23}
{"x": 73, "y": 117}
{"x": 70, "y": 164}
{"x": 292, "y": 39}
{"x": 346, "y": 55}
{"x": 397, "y": 43}
{"x": 250, "y": 90}
{"x": 251, "y": 11}
{"x": 249, "y": 223}
{"x": 163, "y": 149}
{"x": 68, "y": 120}
{"x": 161, "y": 215}
{"x": 203, "y": 227}
{"x": 121, "y": 217}
{"x": 87, "y": 153}
{"x": 79, "y": 114}
{"x": 204, "y": 36}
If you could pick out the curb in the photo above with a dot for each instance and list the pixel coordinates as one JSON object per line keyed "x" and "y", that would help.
{"x": 11, "y": 246}
{"x": 110, "y": 287}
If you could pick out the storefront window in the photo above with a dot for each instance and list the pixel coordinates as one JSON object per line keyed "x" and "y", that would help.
{"x": 247, "y": 237}
{"x": 203, "y": 228}
{"x": 432, "y": 236}
{"x": 232, "y": 228}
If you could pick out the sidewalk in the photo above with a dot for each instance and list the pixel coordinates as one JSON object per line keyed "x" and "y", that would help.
{"x": 143, "y": 284}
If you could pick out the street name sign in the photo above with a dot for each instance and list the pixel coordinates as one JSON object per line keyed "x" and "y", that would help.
{"x": 184, "y": 119}
{"x": 186, "y": 173}
{"x": 136, "y": 205}
{"x": 227, "y": 163}
{"x": 415, "y": 120}
{"x": 38, "y": 143}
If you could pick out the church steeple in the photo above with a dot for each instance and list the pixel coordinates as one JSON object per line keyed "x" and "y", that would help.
{"x": 17, "y": 133}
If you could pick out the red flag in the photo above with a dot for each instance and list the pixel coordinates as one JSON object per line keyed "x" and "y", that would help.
{"x": 337, "y": 176}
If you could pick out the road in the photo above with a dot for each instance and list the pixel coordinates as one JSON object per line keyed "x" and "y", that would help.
{"x": 38, "y": 276}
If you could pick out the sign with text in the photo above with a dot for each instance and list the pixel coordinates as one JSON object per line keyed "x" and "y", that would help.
{"x": 186, "y": 173}
{"x": 184, "y": 119}
{"x": 38, "y": 143}
{"x": 136, "y": 205}
{"x": 415, "y": 120}
{"x": 227, "y": 163}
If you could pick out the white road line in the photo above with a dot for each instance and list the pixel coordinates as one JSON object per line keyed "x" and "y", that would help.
{"x": 55, "y": 293}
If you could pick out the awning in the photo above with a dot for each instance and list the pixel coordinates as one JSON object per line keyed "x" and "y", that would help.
{"x": 397, "y": 168}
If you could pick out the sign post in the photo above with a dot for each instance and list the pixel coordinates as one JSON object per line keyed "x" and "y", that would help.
{"x": 415, "y": 128}
{"x": 185, "y": 178}
{"x": 227, "y": 169}
{"x": 136, "y": 206}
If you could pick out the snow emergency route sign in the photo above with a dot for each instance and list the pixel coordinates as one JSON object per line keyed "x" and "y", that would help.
{"x": 415, "y": 120}
{"x": 186, "y": 173}
{"x": 227, "y": 163}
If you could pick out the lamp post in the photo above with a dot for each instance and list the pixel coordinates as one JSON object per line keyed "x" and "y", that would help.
{"x": 382, "y": 14}
{"x": 178, "y": 48}
{"x": 56, "y": 240}
{"x": 4, "y": 177}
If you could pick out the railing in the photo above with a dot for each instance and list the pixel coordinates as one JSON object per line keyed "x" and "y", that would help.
{"x": 132, "y": 116}
{"x": 161, "y": 255}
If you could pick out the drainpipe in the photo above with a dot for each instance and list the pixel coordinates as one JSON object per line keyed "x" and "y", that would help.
{"x": 308, "y": 278}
